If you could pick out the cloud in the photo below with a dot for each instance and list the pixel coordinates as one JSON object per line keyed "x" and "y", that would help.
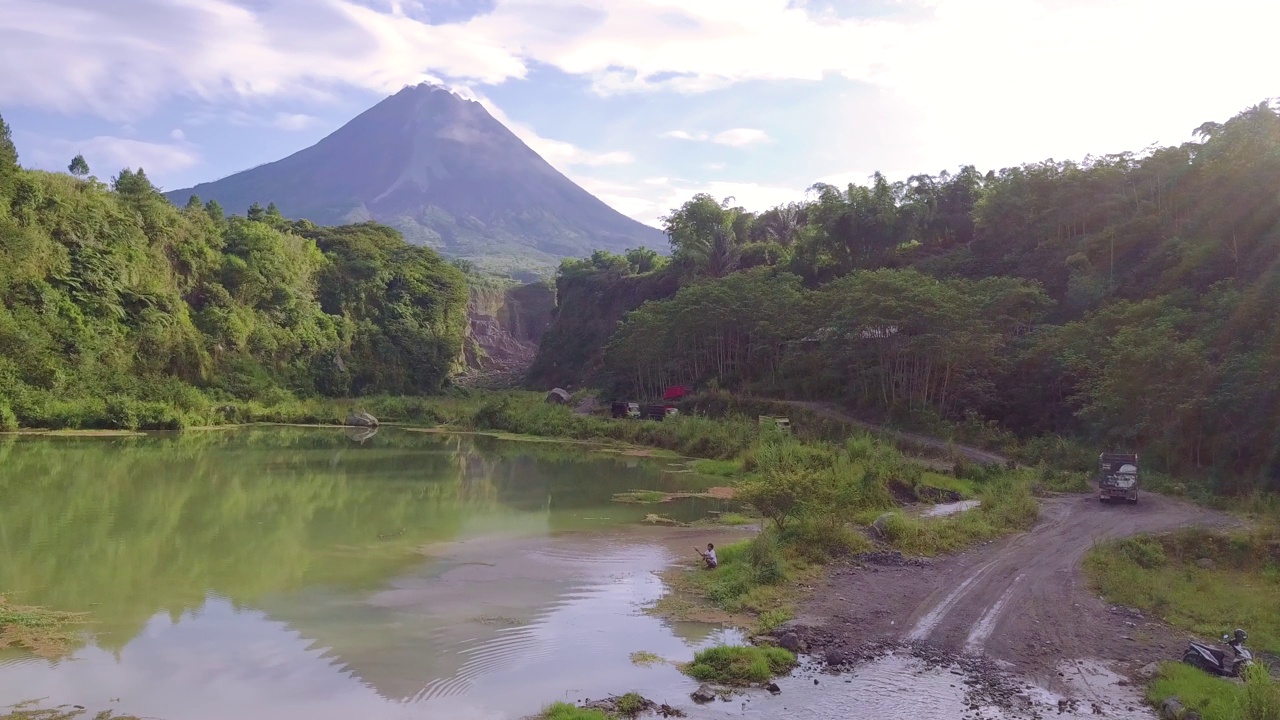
{"x": 557, "y": 152}
{"x": 741, "y": 137}
{"x": 240, "y": 118}
{"x": 108, "y": 154}
{"x": 736, "y": 137}
{"x": 177, "y": 134}
{"x": 684, "y": 135}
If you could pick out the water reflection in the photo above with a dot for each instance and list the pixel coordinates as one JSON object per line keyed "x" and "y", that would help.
{"x": 296, "y": 573}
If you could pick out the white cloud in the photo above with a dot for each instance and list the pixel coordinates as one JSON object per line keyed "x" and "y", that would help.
{"x": 108, "y": 154}
{"x": 684, "y": 135}
{"x": 293, "y": 121}
{"x": 741, "y": 137}
{"x": 735, "y": 137}
{"x": 557, "y": 152}
{"x": 177, "y": 134}
{"x": 240, "y": 118}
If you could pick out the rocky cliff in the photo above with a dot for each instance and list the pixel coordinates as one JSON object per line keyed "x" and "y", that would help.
{"x": 506, "y": 324}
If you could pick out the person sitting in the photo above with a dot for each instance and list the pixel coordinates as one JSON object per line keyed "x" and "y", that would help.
{"x": 709, "y": 556}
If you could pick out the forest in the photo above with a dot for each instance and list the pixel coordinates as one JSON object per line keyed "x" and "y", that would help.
{"x": 1126, "y": 301}
{"x": 119, "y": 310}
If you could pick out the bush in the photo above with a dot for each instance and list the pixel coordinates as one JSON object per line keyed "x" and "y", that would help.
{"x": 8, "y": 421}
{"x": 735, "y": 665}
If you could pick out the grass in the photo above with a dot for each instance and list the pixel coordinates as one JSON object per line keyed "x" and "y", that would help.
{"x": 630, "y": 705}
{"x": 646, "y": 659}
{"x": 1215, "y": 698}
{"x": 739, "y": 665}
{"x": 47, "y": 633}
{"x": 1007, "y": 506}
{"x": 640, "y": 497}
{"x": 718, "y": 468}
{"x": 1159, "y": 574}
{"x": 28, "y": 711}
{"x": 755, "y": 586}
{"x": 565, "y": 711}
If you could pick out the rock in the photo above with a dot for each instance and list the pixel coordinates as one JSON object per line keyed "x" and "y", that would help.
{"x": 704, "y": 694}
{"x": 558, "y": 396}
{"x": 1171, "y": 709}
{"x": 773, "y": 688}
{"x": 361, "y": 419}
{"x": 764, "y": 640}
{"x": 1150, "y": 671}
{"x": 877, "y": 527}
{"x": 834, "y": 658}
{"x": 1206, "y": 564}
{"x": 790, "y": 641}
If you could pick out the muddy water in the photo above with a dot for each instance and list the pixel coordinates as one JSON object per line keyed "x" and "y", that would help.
{"x": 954, "y": 508}
{"x": 901, "y": 686}
{"x": 292, "y": 573}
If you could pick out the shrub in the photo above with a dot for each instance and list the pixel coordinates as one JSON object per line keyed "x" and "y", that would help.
{"x": 8, "y": 421}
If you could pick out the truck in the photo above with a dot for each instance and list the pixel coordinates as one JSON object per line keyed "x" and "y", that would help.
{"x": 1118, "y": 477}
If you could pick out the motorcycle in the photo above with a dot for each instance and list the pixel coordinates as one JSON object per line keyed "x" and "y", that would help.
{"x": 1215, "y": 661}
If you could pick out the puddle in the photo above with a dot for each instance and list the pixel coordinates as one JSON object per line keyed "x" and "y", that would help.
{"x": 951, "y": 508}
{"x": 901, "y": 686}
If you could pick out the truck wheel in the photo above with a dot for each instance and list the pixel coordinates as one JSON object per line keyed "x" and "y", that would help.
{"x": 1133, "y": 501}
{"x": 1104, "y": 499}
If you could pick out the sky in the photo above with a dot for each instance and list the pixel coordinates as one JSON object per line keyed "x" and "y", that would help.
{"x": 642, "y": 102}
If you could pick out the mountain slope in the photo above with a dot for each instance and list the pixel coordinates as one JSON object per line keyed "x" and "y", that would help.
{"x": 444, "y": 172}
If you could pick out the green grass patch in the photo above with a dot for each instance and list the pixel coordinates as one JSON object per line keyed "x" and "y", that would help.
{"x": 1215, "y": 698}
{"x": 739, "y": 665}
{"x": 1240, "y": 587}
{"x": 630, "y": 704}
{"x": 1007, "y": 507}
{"x": 719, "y": 468}
{"x": 646, "y": 659}
{"x": 48, "y": 633}
{"x": 565, "y": 711}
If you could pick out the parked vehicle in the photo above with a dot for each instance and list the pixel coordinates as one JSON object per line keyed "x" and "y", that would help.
{"x": 1215, "y": 661}
{"x": 782, "y": 423}
{"x": 1118, "y": 477}
{"x": 625, "y": 410}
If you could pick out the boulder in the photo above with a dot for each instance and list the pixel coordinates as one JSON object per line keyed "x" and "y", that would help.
{"x": 361, "y": 419}
{"x": 1171, "y": 709}
{"x": 877, "y": 527}
{"x": 773, "y": 688}
{"x": 558, "y": 396}
{"x": 704, "y": 694}
{"x": 790, "y": 641}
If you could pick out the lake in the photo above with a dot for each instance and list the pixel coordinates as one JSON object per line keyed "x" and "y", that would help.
{"x": 318, "y": 573}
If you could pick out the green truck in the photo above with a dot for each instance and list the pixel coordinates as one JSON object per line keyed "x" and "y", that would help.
{"x": 1118, "y": 477}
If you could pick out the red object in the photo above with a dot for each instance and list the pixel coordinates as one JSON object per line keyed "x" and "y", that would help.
{"x": 675, "y": 392}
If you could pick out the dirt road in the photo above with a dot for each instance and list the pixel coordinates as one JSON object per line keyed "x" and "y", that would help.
{"x": 1021, "y": 600}
{"x": 832, "y": 410}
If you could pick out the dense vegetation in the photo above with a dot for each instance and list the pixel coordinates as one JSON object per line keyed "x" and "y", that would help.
{"x": 119, "y": 310}
{"x": 1127, "y": 300}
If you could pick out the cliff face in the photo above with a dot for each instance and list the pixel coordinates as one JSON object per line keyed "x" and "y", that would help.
{"x": 589, "y": 308}
{"x": 505, "y": 326}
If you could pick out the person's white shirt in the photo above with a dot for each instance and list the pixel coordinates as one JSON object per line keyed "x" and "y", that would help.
{"x": 711, "y": 556}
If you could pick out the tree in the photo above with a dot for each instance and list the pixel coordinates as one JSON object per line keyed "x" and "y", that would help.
{"x": 78, "y": 167}
{"x": 256, "y": 213}
{"x": 8, "y": 158}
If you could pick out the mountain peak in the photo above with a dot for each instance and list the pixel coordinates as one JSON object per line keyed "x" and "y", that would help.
{"x": 438, "y": 167}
